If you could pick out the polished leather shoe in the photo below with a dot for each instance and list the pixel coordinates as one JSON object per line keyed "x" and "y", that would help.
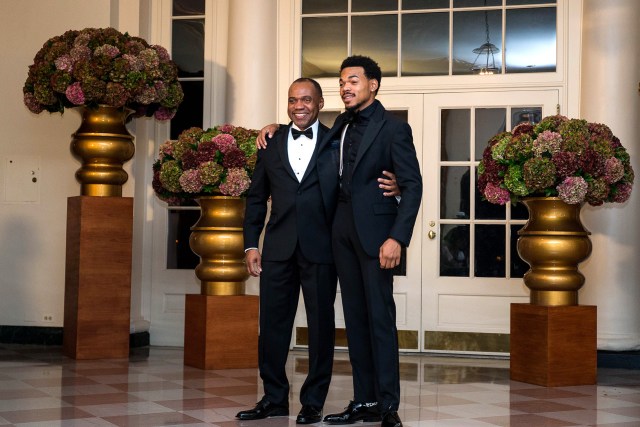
{"x": 391, "y": 419}
{"x": 356, "y": 411}
{"x": 263, "y": 409}
{"x": 309, "y": 415}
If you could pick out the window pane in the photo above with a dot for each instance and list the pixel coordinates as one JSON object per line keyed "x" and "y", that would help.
{"x": 188, "y": 7}
{"x": 489, "y": 251}
{"x": 373, "y": 5}
{"x": 190, "y": 112}
{"x": 519, "y": 211}
{"x": 425, "y": 44}
{"x": 531, "y": 40}
{"x": 518, "y": 266}
{"x": 424, "y": 4}
{"x": 324, "y": 46}
{"x": 179, "y": 254}
{"x": 454, "y": 192}
{"x": 489, "y": 122}
{"x": 469, "y": 33}
{"x": 525, "y": 114}
{"x": 324, "y": 6}
{"x": 377, "y": 37}
{"x": 521, "y": 2}
{"x": 188, "y": 47}
{"x": 456, "y": 137}
{"x": 476, "y": 3}
{"x": 454, "y": 250}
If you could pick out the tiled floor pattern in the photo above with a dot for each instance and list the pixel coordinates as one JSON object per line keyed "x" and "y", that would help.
{"x": 40, "y": 387}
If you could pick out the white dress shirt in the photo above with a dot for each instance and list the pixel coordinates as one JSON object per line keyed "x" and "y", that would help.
{"x": 300, "y": 150}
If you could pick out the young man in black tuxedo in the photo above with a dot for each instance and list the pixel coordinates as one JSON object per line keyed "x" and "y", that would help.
{"x": 296, "y": 254}
{"x": 368, "y": 232}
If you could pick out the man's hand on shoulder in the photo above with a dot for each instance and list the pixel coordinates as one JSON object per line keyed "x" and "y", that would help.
{"x": 267, "y": 131}
{"x": 389, "y": 185}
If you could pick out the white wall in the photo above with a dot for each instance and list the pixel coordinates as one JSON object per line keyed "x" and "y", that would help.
{"x": 32, "y": 235}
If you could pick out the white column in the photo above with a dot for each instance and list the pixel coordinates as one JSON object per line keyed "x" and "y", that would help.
{"x": 251, "y": 76}
{"x": 609, "y": 94}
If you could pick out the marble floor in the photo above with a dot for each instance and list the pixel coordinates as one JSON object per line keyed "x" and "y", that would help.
{"x": 40, "y": 387}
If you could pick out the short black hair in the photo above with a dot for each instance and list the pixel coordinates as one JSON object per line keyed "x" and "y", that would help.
{"x": 308, "y": 80}
{"x": 371, "y": 67}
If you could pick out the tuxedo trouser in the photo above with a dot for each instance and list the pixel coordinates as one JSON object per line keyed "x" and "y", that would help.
{"x": 280, "y": 284}
{"x": 370, "y": 315}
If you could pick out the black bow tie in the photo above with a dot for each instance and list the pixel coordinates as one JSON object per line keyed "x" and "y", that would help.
{"x": 296, "y": 133}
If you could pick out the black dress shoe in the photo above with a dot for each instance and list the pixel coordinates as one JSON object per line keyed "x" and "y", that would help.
{"x": 366, "y": 412}
{"x": 263, "y": 409}
{"x": 309, "y": 415}
{"x": 391, "y": 419}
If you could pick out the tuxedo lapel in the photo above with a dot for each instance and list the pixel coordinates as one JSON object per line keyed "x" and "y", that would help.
{"x": 282, "y": 143}
{"x": 370, "y": 134}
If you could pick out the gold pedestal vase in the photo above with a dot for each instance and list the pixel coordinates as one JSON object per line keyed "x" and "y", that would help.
{"x": 103, "y": 144}
{"x": 553, "y": 242}
{"x": 217, "y": 239}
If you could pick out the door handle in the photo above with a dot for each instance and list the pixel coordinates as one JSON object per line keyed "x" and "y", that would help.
{"x": 431, "y": 234}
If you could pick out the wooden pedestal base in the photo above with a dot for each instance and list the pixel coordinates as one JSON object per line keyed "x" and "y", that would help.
{"x": 553, "y": 346}
{"x": 97, "y": 294}
{"x": 221, "y": 332}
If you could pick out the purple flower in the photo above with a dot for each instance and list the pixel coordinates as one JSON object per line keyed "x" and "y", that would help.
{"x": 547, "y": 142}
{"x": 163, "y": 114}
{"x": 75, "y": 94}
{"x": 236, "y": 183}
{"x": 32, "y": 104}
{"x": 613, "y": 170}
{"x": 234, "y": 158}
{"x": 225, "y": 143}
{"x": 497, "y": 195}
{"x": 190, "y": 181}
{"x": 573, "y": 190}
{"x": 622, "y": 192}
{"x": 64, "y": 63}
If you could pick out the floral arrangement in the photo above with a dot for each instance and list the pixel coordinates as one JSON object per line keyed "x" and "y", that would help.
{"x": 572, "y": 159}
{"x": 217, "y": 161}
{"x": 101, "y": 66}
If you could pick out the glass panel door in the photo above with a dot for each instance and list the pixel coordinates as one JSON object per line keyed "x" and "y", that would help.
{"x": 472, "y": 271}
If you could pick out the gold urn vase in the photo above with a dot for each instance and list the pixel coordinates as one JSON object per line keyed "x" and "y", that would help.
{"x": 103, "y": 144}
{"x": 553, "y": 242}
{"x": 217, "y": 239}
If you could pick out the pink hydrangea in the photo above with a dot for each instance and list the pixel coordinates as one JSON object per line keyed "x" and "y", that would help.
{"x": 163, "y": 113}
{"x": 623, "y": 192}
{"x": 75, "y": 94}
{"x": 190, "y": 181}
{"x": 613, "y": 170}
{"x": 225, "y": 142}
{"x": 64, "y": 63}
{"x": 237, "y": 182}
{"x": 496, "y": 194}
{"x": 226, "y": 128}
{"x": 573, "y": 190}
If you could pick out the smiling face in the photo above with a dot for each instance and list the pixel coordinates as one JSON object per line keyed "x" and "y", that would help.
{"x": 304, "y": 104}
{"x": 357, "y": 91}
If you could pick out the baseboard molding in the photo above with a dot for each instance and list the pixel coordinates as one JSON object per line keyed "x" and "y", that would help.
{"x": 40, "y": 335}
{"x": 619, "y": 359}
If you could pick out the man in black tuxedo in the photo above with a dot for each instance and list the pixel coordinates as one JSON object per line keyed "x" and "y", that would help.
{"x": 369, "y": 231}
{"x": 296, "y": 254}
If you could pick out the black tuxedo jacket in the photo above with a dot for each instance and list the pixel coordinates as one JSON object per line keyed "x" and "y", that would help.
{"x": 299, "y": 213}
{"x": 387, "y": 144}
